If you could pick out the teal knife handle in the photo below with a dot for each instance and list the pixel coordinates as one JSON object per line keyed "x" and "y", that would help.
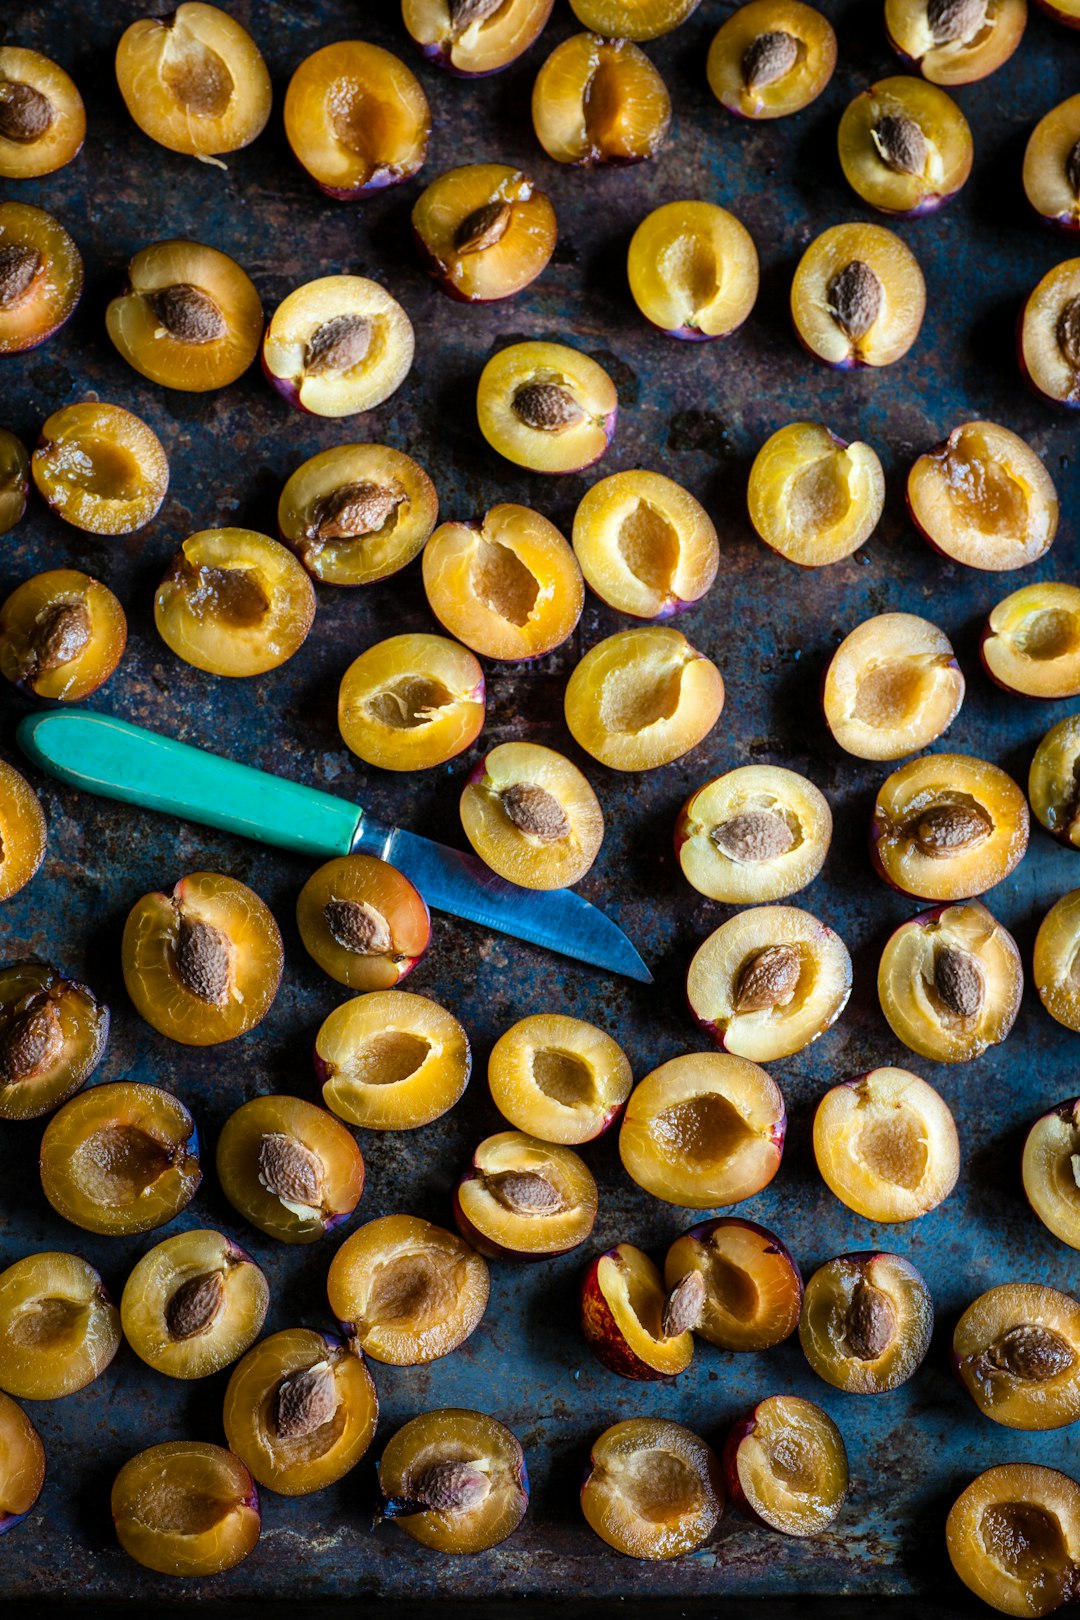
{"x": 117, "y": 760}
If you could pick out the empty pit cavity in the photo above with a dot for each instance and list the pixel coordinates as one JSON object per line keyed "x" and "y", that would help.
{"x": 888, "y": 695}
{"x": 46, "y": 1322}
{"x": 894, "y": 1148}
{"x": 197, "y": 76}
{"x": 502, "y": 582}
{"x": 819, "y": 497}
{"x": 411, "y": 701}
{"x": 411, "y": 1290}
{"x": 360, "y": 121}
{"x": 97, "y": 466}
{"x": 1023, "y": 1538}
{"x": 635, "y": 697}
{"x": 734, "y": 1288}
{"x": 706, "y": 1130}
{"x": 688, "y": 266}
{"x": 1052, "y": 633}
{"x": 662, "y": 1488}
{"x": 649, "y": 546}
{"x": 117, "y": 1164}
{"x": 603, "y": 105}
{"x": 389, "y": 1058}
{"x": 793, "y": 1461}
{"x": 234, "y": 595}
{"x": 984, "y": 492}
{"x": 563, "y": 1077}
{"x": 176, "y": 1510}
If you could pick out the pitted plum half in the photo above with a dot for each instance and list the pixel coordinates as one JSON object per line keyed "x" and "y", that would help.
{"x": 42, "y": 118}
{"x": 646, "y": 546}
{"x": 786, "y": 1466}
{"x": 1049, "y": 337}
{"x": 1031, "y": 643}
{"x": 1014, "y": 1538}
{"x": 1056, "y": 964}
{"x": 234, "y": 602}
{"x": 634, "y": 1326}
{"x": 186, "y": 1507}
{"x": 188, "y": 318}
{"x": 53, "y": 1032}
{"x": 532, "y": 816}
{"x": 100, "y": 468}
{"x": 337, "y": 346}
{"x": 202, "y": 964}
{"x": 23, "y": 832}
{"x": 984, "y": 498}
{"x": 472, "y": 38}
{"x": 194, "y": 81}
{"x": 693, "y": 270}
{"x": 1054, "y": 781}
{"x": 455, "y": 1480}
{"x": 642, "y": 698}
{"x": 950, "y": 982}
{"x": 955, "y": 41}
{"x": 1052, "y": 165}
{"x": 486, "y": 231}
{"x": 905, "y": 146}
{"x": 22, "y": 1464}
{"x": 1051, "y": 1171}
{"x": 193, "y": 1304}
{"x": 866, "y": 1322}
{"x": 363, "y": 922}
{"x": 120, "y": 1158}
{"x": 893, "y": 686}
{"x": 886, "y": 1145}
{"x": 523, "y": 1199}
{"x": 357, "y": 513}
{"x": 507, "y": 584}
{"x": 289, "y": 1168}
{"x": 58, "y": 1326}
{"x": 407, "y": 1292}
{"x": 357, "y": 119}
{"x": 771, "y": 58}
{"x": 391, "y": 1061}
{"x": 62, "y": 635}
{"x": 947, "y": 826}
{"x": 752, "y": 1293}
{"x": 703, "y": 1130}
{"x": 769, "y": 981}
{"x": 1016, "y": 1350}
{"x": 652, "y": 1490}
{"x": 632, "y": 19}
{"x": 599, "y": 101}
{"x": 559, "y": 1078}
{"x": 754, "y": 834}
{"x": 14, "y": 480}
{"x": 41, "y": 276}
{"x": 858, "y": 297}
{"x": 300, "y": 1411}
{"x": 546, "y": 407}
{"x": 813, "y": 497}
{"x": 411, "y": 702}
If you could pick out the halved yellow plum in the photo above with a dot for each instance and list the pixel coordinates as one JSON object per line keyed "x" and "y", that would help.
{"x": 1052, "y": 165}
{"x": 363, "y": 922}
{"x": 22, "y": 1464}
{"x": 786, "y": 1466}
{"x": 14, "y": 480}
{"x": 1049, "y": 336}
{"x": 858, "y": 297}
{"x": 752, "y": 1292}
{"x": 600, "y": 100}
{"x": 59, "y": 1328}
{"x": 1049, "y": 1168}
{"x": 813, "y": 497}
{"x": 234, "y": 602}
{"x": 53, "y": 1032}
{"x": 754, "y": 834}
{"x": 693, "y": 270}
{"x": 41, "y": 276}
{"x": 486, "y": 230}
{"x": 1054, "y": 781}
{"x": 905, "y": 146}
{"x": 955, "y": 41}
{"x": 628, "y": 1320}
{"x": 357, "y": 119}
{"x": 893, "y": 686}
{"x": 950, "y": 982}
{"x": 472, "y": 38}
{"x": 23, "y": 832}
{"x": 886, "y": 1145}
{"x": 338, "y": 346}
{"x": 632, "y": 19}
{"x": 289, "y": 1168}
{"x": 866, "y": 1322}
{"x": 771, "y": 58}
{"x": 100, "y": 468}
{"x": 391, "y": 1061}
{"x": 186, "y": 1507}
{"x": 1014, "y": 1537}
{"x": 455, "y": 1480}
{"x": 947, "y": 826}
{"x": 1031, "y": 642}
{"x": 532, "y": 816}
{"x": 652, "y": 1490}
{"x": 984, "y": 498}
{"x": 1055, "y": 966}
{"x": 646, "y": 546}
{"x": 189, "y": 317}
{"x": 193, "y": 1304}
{"x": 411, "y": 702}
{"x": 642, "y": 698}
{"x": 42, "y": 117}
{"x": 546, "y": 407}
{"x": 62, "y": 635}
{"x": 559, "y": 1078}
{"x": 524, "y": 1199}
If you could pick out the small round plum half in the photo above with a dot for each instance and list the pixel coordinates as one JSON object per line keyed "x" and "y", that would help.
{"x": 1031, "y": 643}
{"x": 530, "y": 814}
{"x": 950, "y": 982}
{"x": 559, "y": 1078}
{"x": 391, "y": 1061}
{"x": 866, "y": 1322}
{"x": 892, "y": 687}
{"x": 1016, "y": 1350}
{"x": 786, "y": 1466}
{"x": 599, "y": 100}
{"x": 886, "y": 1145}
{"x": 652, "y": 1489}
{"x": 813, "y": 497}
{"x": 186, "y": 1507}
{"x": 905, "y": 146}
{"x": 984, "y": 498}
{"x": 858, "y": 297}
{"x": 523, "y": 1199}
{"x": 693, "y": 270}
{"x": 1050, "y": 1164}
{"x": 642, "y": 698}
{"x": 753, "y": 1291}
{"x": 1014, "y": 1538}
{"x": 455, "y": 1480}
{"x": 771, "y": 58}
{"x": 947, "y": 826}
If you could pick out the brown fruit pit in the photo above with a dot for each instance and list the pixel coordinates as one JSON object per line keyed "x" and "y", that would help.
{"x": 753, "y": 835}
{"x": 525, "y": 1192}
{"x": 768, "y": 980}
{"x": 25, "y": 114}
{"x": 483, "y": 228}
{"x": 290, "y": 1170}
{"x": 195, "y": 1306}
{"x": 958, "y": 981}
{"x": 901, "y": 144}
{"x": 547, "y": 407}
{"x": 354, "y": 511}
{"x": 855, "y": 296}
{"x": 187, "y": 313}
{"x": 871, "y": 1322}
{"x": 337, "y": 345}
{"x": 1068, "y": 333}
{"x": 1030, "y": 1352}
{"x": 950, "y": 829}
{"x": 33, "y": 1041}
{"x": 358, "y": 927}
{"x": 684, "y": 1305}
{"x": 203, "y": 960}
{"x": 60, "y": 635}
{"x": 535, "y": 811}
{"x": 305, "y": 1401}
{"x": 452, "y": 1487}
{"x": 768, "y": 58}
{"x": 19, "y": 267}
{"x": 953, "y": 21}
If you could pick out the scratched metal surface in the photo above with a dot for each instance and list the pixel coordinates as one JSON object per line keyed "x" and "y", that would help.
{"x": 698, "y": 412}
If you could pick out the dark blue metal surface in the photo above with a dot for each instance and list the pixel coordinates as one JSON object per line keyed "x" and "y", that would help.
{"x": 699, "y": 413}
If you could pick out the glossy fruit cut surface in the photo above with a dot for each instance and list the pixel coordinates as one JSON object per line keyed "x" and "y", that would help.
{"x": 61, "y": 635}
{"x": 58, "y": 1327}
{"x": 14, "y": 480}
{"x": 786, "y": 1465}
{"x": 600, "y": 101}
{"x": 1031, "y": 643}
{"x": 626, "y": 1319}
{"x": 642, "y": 698}
{"x": 858, "y": 297}
{"x": 946, "y": 826}
{"x": 754, "y": 834}
{"x": 652, "y": 1489}
{"x": 950, "y": 982}
{"x": 362, "y": 922}
{"x": 646, "y": 546}
{"x": 41, "y": 276}
{"x": 955, "y": 41}
{"x": 866, "y": 1322}
{"x": 893, "y": 686}
{"x": 1014, "y": 1538}
{"x": 53, "y": 1032}
{"x": 411, "y": 702}
{"x": 886, "y": 1145}
{"x": 42, "y": 118}
{"x": 771, "y": 58}
{"x": 1016, "y": 1350}
{"x": 1050, "y": 167}
{"x": 1051, "y": 1153}
{"x": 455, "y": 1480}
{"x": 486, "y": 230}
{"x": 22, "y": 1464}
{"x": 693, "y": 270}
{"x": 188, "y": 318}
{"x": 193, "y": 1304}
{"x": 391, "y": 1061}
{"x": 100, "y": 468}
{"x": 186, "y": 1508}
{"x": 472, "y": 38}
{"x": 23, "y": 831}
{"x": 532, "y": 816}
{"x": 1055, "y": 965}
{"x": 357, "y": 513}
{"x": 1052, "y": 781}
{"x": 753, "y": 1290}
{"x": 337, "y": 346}
{"x": 905, "y": 147}
{"x": 813, "y": 497}
{"x": 632, "y": 19}
{"x": 234, "y": 602}
{"x": 546, "y": 407}
{"x": 1049, "y": 341}
{"x": 523, "y": 1199}
{"x": 559, "y": 1078}
{"x": 984, "y": 498}
{"x": 289, "y": 1168}
{"x": 356, "y": 118}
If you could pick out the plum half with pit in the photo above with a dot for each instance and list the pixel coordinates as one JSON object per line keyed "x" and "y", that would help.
{"x": 950, "y": 982}
{"x": 866, "y": 1322}
{"x": 41, "y": 276}
{"x": 886, "y": 1145}
{"x": 752, "y": 1295}
{"x": 188, "y": 317}
{"x": 1056, "y": 961}
{"x": 455, "y": 1480}
{"x": 753, "y": 834}
{"x": 1052, "y": 166}
{"x": 546, "y": 407}
{"x": 785, "y": 1465}
{"x": 905, "y": 146}
{"x": 693, "y": 270}
{"x": 523, "y": 1199}
{"x": 771, "y": 58}
{"x": 1054, "y": 781}
{"x": 486, "y": 231}
{"x": 234, "y": 602}
{"x": 893, "y": 686}
{"x": 652, "y": 1489}
{"x": 1048, "y": 339}
{"x": 289, "y": 1168}
{"x": 530, "y": 814}
{"x": 858, "y": 297}
{"x": 955, "y": 41}
{"x": 14, "y": 480}
{"x": 1051, "y": 1170}
{"x": 948, "y": 826}
{"x": 412, "y": 702}
{"x": 193, "y": 1303}
{"x": 599, "y": 101}
{"x": 473, "y": 38}
{"x": 391, "y": 1061}
{"x": 53, "y": 1032}
{"x": 337, "y": 346}
{"x": 633, "y": 1324}
{"x": 62, "y": 635}
{"x": 1016, "y": 1350}
{"x": 363, "y": 922}
{"x": 42, "y": 117}
{"x": 357, "y": 513}
{"x": 559, "y": 1078}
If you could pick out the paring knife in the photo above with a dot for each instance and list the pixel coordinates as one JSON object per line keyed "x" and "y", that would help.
{"x": 118, "y": 760}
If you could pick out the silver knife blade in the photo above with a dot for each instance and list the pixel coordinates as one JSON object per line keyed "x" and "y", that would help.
{"x": 557, "y": 919}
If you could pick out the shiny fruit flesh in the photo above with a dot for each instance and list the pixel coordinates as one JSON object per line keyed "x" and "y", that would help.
{"x": 1031, "y": 643}
{"x": 289, "y": 1168}
{"x": 950, "y": 982}
{"x": 984, "y": 498}
{"x": 559, "y": 1078}
{"x": 523, "y": 1199}
{"x": 391, "y": 1061}
{"x": 652, "y": 1489}
{"x": 786, "y": 1466}
{"x": 61, "y": 635}
{"x": 886, "y": 1145}
{"x": 642, "y": 698}
{"x": 546, "y": 407}
{"x": 532, "y": 816}
{"x": 772, "y": 58}
{"x": 1014, "y": 1538}
{"x": 646, "y": 546}
{"x": 203, "y": 963}
{"x": 1054, "y": 781}
{"x": 905, "y": 147}
{"x": 892, "y": 687}
{"x": 1016, "y": 1350}
{"x": 486, "y": 229}
{"x": 1051, "y": 1157}
{"x": 14, "y": 480}
{"x": 120, "y": 1158}
{"x": 1055, "y": 966}
{"x": 407, "y": 1292}
{"x": 41, "y": 276}
{"x": 337, "y": 346}
{"x": 42, "y": 118}
{"x": 815, "y": 498}
{"x": 693, "y": 270}
{"x": 600, "y": 101}
{"x": 356, "y": 118}
{"x": 185, "y": 1507}
{"x": 357, "y": 513}
{"x": 411, "y": 702}
{"x": 188, "y": 318}
{"x": 858, "y": 297}
{"x": 703, "y": 1130}
{"x": 768, "y": 982}
{"x": 508, "y": 585}
{"x": 22, "y": 1464}
{"x": 1049, "y": 339}
{"x": 193, "y": 1304}
{"x": 753, "y": 1290}
{"x": 23, "y": 832}
{"x": 58, "y": 1327}
{"x": 53, "y": 1032}
{"x": 100, "y": 468}
{"x": 362, "y": 922}
{"x": 455, "y": 1480}
{"x": 300, "y": 1411}
{"x": 947, "y": 826}
{"x": 626, "y": 1321}
{"x": 1050, "y": 167}
{"x": 234, "y": 602}
{"x": 866, "y": 1322}
{"x": 472, "y": 38}
{"x": 194, "y": 81}
{"x": 955, "y": 43}
{"x": 632, "y": 19}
